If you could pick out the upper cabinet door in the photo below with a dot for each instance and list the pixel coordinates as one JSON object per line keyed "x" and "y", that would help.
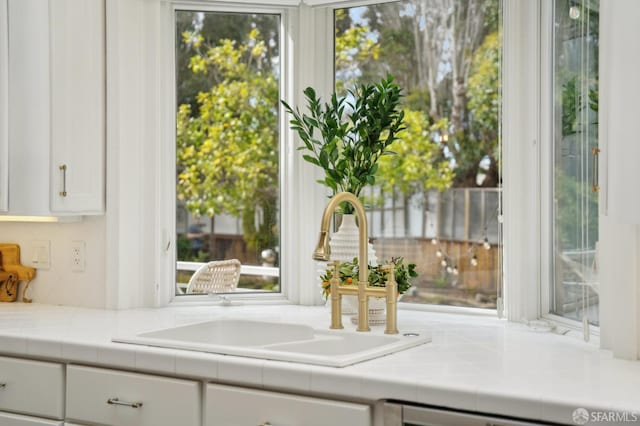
{"x": 28, "y": 107}
{"x": 77, "y": 52}
{"x": 4, "y": 108}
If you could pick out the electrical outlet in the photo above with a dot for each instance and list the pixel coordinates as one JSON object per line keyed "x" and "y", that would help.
{"x": 77, "y": 256}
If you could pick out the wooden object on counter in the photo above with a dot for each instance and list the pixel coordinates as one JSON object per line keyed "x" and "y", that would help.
{"x": 15, "y": 272}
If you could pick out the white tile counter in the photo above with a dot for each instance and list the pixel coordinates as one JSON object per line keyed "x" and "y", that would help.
{"x": 474, "y": 363}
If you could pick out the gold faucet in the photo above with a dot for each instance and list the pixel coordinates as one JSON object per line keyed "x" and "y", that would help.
{"x": 364, "y": 290}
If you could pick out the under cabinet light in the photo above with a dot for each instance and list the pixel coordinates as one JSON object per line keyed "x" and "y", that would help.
{"x": 44, "y": 219}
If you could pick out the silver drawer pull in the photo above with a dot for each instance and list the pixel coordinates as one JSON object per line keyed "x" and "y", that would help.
{"x": 116, "y": 401}
{"x": 63, "y": 169}
{"x": 265, "y": 424}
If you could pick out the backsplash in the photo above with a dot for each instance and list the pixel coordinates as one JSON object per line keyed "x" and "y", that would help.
{"x": 59, "y": 285}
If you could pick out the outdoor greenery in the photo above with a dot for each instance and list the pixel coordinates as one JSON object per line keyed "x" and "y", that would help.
{"x": 378, "y": 275}
{"x": 449, "y": 70}
{"x": 227, "y": 143}
{"x": 444, "y": 54}
{"x": 348, "y": 135}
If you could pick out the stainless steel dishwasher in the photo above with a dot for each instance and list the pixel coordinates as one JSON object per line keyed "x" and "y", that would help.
{"x": 401, "y": 414}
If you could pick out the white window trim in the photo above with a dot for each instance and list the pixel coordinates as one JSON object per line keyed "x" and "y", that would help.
{"x": 521, "y": 175}
{"x": 303, "y": 59}
{"x": 276, "y": 297}
{"x": 521, "y": 160}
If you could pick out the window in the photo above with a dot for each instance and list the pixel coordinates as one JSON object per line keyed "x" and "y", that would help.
{"x": 437, "y": 202}
{"x": 227, "y": 68}
{"x": 574, "y": 292}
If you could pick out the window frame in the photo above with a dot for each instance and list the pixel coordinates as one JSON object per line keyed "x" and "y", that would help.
{"x": 284, "y": 295}
{"x": 526, "y": 283}
{"x": 547, "y": 283}
{"x": 499, "y": 310}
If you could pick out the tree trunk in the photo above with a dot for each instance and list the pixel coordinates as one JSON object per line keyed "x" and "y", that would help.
{"x": 212, "y": 240}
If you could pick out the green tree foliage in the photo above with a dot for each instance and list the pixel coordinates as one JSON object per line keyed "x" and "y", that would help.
{"x": 354, "y": 47}
{"x": 445, "y": 54}
{"x": 484, "y": 105}
{"x": 227, "y": 150}
{"x": 348, "y": 135}
{"x": 416, "y": 167}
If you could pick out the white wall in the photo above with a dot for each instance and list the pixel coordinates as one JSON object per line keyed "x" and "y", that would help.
{"x": 59, "y": 285}
{"x": 619, "y": 251}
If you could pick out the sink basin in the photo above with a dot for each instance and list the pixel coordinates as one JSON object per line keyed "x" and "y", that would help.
{"x": 278, "y": 341}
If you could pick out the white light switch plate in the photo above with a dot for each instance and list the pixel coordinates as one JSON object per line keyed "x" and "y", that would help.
{"x": 41, "y": 254}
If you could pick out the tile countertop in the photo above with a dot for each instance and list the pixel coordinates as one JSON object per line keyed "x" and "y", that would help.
{"x": 473, "y": 363}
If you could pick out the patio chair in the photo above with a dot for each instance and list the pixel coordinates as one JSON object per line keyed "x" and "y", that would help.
{"x": 219, "y": 276}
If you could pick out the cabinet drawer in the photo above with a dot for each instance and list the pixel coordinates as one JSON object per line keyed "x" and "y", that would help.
{"x": 111, "y": 397}
{"x": 8, "y": 419}
{"x": 32, "y": 387}
{"x": 228, "y": 405}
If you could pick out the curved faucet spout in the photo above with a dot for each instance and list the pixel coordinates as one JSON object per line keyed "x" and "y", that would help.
{"x": 323, "y": 250}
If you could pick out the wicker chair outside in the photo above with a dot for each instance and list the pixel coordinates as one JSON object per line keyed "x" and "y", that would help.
{"x": 220, "y": 276}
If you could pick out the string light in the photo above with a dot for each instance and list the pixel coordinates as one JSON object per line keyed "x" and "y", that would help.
{"x": 486, "y": 244}
{"x": 574, "y": 12}
{"x": 443, "y": 262}
{"x": 474, "y": 260}
{"x": 455, "y": 270}
{"x": 439, "y": 253}
{"x": 449, "y": 269}
{"x": 434, "y": 241}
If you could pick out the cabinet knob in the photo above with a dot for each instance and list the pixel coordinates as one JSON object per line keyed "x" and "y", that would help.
{"x": 3, "y": 385}
{"x": 116, "y": 401}
{"x": 63, "y": 169}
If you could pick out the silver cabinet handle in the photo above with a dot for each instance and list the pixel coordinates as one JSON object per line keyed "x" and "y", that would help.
{"x": 63, "y": 169}
{"x": 3, "y": 385}
{"x": 595, "y": 172}
{"x": 265, "y": 424}
{"x": 116, "y": 401}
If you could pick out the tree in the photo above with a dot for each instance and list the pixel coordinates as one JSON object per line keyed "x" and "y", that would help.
{"x": 227, "y": 150}
{"x": 445, "y": 53}
{"x": 353, "y": 48}
{"x": 415, "y": 168}
{"x": 484, "y": 106}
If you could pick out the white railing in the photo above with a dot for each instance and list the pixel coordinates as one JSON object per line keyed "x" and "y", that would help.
{"x": 265, "y": 271}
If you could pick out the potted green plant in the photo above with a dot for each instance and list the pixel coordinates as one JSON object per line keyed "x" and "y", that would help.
{"x": 347, "y": 136}
{"x": 378, "y": 276}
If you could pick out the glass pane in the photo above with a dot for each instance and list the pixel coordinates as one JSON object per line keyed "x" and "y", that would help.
{"x": 227, "y": 145}
{"x": 575, "y": 133}
{"x": 436, "y": 202}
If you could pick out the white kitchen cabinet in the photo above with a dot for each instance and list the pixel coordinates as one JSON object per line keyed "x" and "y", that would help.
{"x": 111, "y": 397}
{"x": 4, "y": 107}
{"x": 77, "y": 106}
{"x": 229, "y": 405}
{"x": 56, "y": 81}
{"x": 10, "y": 419}
{"x": 32, "y": 387}
{"x": 29, "y": 105}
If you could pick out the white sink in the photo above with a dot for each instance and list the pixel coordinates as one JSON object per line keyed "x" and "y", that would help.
{"x": 279, "y": 341}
